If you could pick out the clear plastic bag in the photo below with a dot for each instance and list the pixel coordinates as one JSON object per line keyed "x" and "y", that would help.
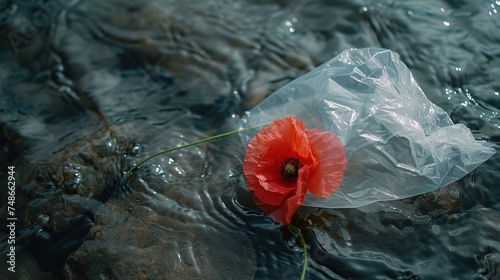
{"x": 398, "y": 143}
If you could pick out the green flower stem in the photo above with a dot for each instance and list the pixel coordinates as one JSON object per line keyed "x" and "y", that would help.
{"x": 303, "y": 276}
{"x": 297, "y": 232}
{"x": 135, "y": 167}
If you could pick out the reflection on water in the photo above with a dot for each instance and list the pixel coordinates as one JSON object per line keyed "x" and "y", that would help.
{"x": 87, "y": 88}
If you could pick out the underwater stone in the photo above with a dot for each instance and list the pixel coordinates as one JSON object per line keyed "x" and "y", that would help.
{"x": 72, "y": 179}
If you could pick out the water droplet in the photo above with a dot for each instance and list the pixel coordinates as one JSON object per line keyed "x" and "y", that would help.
{"x": 345, "y": 234}
{"x": 135, "y": 149}
{"x": 71, "y": 188}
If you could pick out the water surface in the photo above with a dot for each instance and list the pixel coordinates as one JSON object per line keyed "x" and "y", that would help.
{"x": 88, "y": 88}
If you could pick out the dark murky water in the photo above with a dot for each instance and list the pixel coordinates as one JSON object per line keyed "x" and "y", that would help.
{"x": 87, "y": 88}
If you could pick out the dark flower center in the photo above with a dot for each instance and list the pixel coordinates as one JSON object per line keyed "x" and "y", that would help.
{"x": 289, "y": 169}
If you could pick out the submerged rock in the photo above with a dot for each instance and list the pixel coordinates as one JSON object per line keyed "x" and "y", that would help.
{"x": 136, "y": 247}
{"x": 102, "y": 84}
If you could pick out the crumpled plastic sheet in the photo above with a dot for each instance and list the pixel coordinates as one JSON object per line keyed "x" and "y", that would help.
{"x": 398, "y": 143}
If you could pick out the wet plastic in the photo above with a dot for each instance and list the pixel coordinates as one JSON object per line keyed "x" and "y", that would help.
{"x": 398, "y": 143}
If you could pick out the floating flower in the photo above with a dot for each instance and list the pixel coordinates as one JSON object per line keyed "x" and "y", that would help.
{"x": 285, "y": 160}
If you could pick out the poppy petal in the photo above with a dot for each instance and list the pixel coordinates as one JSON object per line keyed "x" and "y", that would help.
{"x": 317, "y": 160}
{"x": 270, "y": 198}
{"x": 332, "y": 162}
{"x": 293, "y": 202}
{"x": 265, "y": 153}
{"x": 270, "y": 210}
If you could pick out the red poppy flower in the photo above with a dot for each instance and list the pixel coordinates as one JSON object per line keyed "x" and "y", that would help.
{"x": 285, "y": 160}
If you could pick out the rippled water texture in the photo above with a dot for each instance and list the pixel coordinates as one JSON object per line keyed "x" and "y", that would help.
{"x": 87, "y": 88}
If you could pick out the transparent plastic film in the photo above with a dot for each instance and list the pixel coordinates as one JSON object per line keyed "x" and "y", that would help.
{"x": 398, "y": 144}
